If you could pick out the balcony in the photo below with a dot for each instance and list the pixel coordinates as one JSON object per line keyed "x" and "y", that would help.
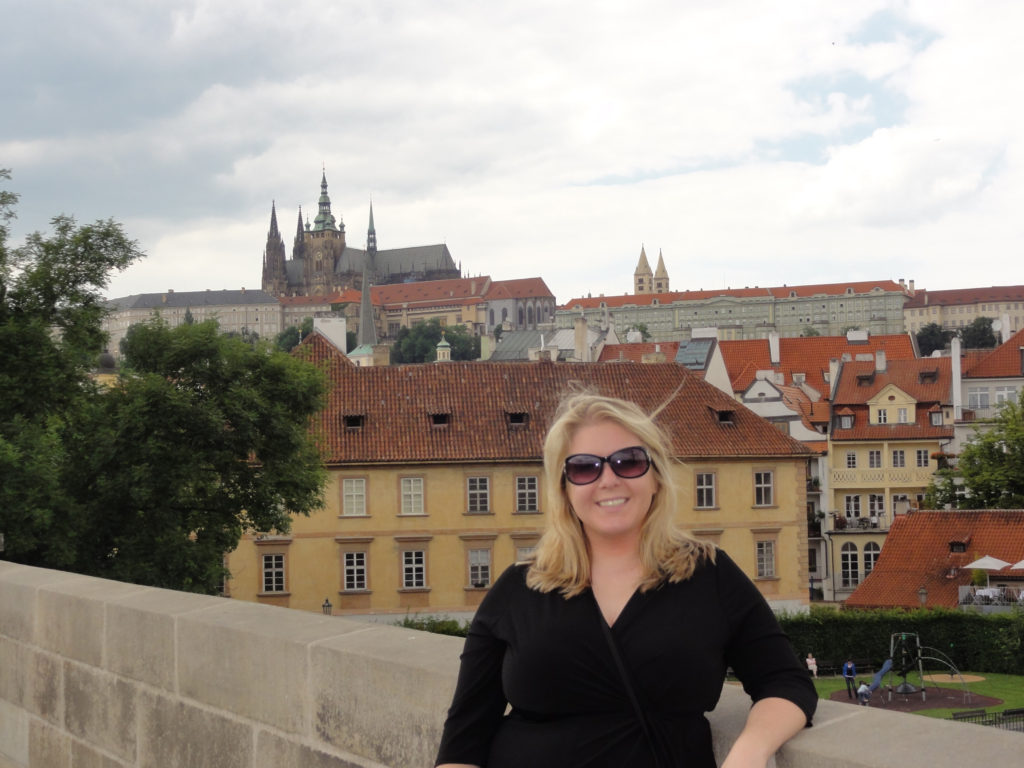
{"x": 866, "y": 523}
{"x": 990, "y": 599}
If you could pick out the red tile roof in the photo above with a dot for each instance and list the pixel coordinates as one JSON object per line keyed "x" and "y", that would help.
{"x": 809, "y": 355}
{"x": 925, "y": 298}
{"x": 1004, "y": 361}
{"x": 522, "y": 288}
{"x": 635, "y": 352}
{"x": 917, "y": 553}
{"x": 395, "y": 403}
{"x": 777, "y": 292}
{"x": 859, "y": 382}
{"x": 431, "y": 291}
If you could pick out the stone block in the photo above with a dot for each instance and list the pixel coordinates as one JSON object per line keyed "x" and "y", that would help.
{"x": 18, "y": 587}
{"x": 365, "y": 682}
{"x": 73, "y": 614}
{"x": 13, "y": 734}
{"x": 273, "y": 751}
{"x": 46, "y": 685}
{"x": 173, "y": 732}
{"x": 14, "y": 671}
{"x": 48, "y": 747}
{"x": 84, "y": 756}
{"x": 140, "y": 633}
{"x": 100, "y": 709}
{"x": 252, "y": 660}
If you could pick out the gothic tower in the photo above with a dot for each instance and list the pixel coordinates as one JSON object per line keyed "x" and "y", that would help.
{"x": 643, "y": 278}
{"x": 660, "y": 276}
{"x": 275, "y": 279}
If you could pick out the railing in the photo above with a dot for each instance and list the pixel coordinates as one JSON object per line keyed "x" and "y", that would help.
{"x": 877, "y": 522}
{"x": 998, "y": 596}
{"x": 1008, "y": 719}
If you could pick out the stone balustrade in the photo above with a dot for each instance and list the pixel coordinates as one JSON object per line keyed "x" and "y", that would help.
{"x": 101, "y": 674}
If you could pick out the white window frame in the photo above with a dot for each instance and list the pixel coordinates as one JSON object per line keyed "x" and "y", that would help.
{"x": 527, "y": 494}
{"x": 414, "y": 569}
{"x": 478, "y": 494}
{"x": 899, "y": 458}
{"x": 871, "y": 554}
{"x": 272, "y": 573}
{"x": 353, "y": 497}
{"x": 922, "y": 457}
{"x": 764, "y": 488}
{"x": 902, "y": 415}
{"x": 846, "y": 422}
{"x": 977, "y": 398}
{"x": 412, "y": 496}
{"x": 849, "y": 569}
{"x": 851, "y": 505}
{"x": 851, "y": 459}
{"x": 882, "y": 416}
{"x": 876, "y": 504}
{"x": 355, "y": 572}
{"x": 704, "y": 484}
{"x": 479, "y": 562}
{"x": 936, "y": 418}
{"x": 875, "y": 458}
{"x": 765, "y": 554}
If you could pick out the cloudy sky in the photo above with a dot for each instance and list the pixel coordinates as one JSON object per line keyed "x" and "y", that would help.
{"x": 752, "y": 143}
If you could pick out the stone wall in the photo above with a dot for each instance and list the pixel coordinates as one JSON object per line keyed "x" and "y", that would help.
{"x": 100, "y": 674}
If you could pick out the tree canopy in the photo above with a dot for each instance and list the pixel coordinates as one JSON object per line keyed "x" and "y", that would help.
{"x": 931, "y": 337}
{"x": 989, "y": 472}
{"x": 154, "y": 478}
{"x": 419, "y": 343}
{"x": 978, "y": 334}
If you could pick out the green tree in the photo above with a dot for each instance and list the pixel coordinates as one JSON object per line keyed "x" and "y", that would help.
{"x": 931, "y": 337}
{"x": 978, "y": 334}
{"x": 205, "y": 436}
{"x": 419, "y": 343}
{"x": 991, "y": 464}
{"x": 51, "y": 308}
{"x": 809, "y": 331}
{"x": 290, "y": 337}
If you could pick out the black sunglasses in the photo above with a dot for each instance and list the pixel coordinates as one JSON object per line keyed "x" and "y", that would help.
{"x": 585, "y": 468}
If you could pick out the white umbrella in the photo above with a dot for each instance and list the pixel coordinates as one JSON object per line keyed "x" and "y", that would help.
{"x": 988, "y": 563}
{"x": 1018, "y": 566}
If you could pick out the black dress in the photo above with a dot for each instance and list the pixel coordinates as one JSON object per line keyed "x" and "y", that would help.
{"x": 547, "y": 656}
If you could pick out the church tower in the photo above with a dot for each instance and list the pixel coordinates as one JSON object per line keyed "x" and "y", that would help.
{"x": 660, "y": 276}
{"x": 643, "y": 278}
{"x": 275, "y": 279}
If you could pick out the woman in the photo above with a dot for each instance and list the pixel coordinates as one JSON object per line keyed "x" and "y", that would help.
{"x": 613, "y": 643}
{"x": 812, "y": 664}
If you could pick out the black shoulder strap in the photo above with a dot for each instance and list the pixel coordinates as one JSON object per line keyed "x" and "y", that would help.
{"x": 629, "y": 689}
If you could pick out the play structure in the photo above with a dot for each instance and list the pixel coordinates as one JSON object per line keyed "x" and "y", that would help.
{"x": 907, "y": 656}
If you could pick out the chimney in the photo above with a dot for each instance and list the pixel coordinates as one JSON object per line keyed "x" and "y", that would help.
{"x": 911, "y": 287}
{"x": 582, "y": 349}
{"x": 955, "y": 370}
{"x": 773, "y": 347}
{"x": 879, "y": 361}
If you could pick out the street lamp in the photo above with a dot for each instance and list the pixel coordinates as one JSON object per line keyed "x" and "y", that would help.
{"x": 327, "y": 607}
{"x": 922, "y": 595}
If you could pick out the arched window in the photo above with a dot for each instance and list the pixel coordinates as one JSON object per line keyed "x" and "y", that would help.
{"x": 492, "y": 317}
{"x": 520, "y": 317}
{"x": 871, "y": 553}
{"x": 849, "y": 576}
{"x": 529, "y": 316}
{"x": 504, "y": 314}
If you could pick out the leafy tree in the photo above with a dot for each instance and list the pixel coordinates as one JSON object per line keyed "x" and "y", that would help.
{"x": 419, "y": 343}
{"x": 991, "y": 464}
{"x": 50, "y": 335}
{"x": 290, "y": 337}
{"x": 205, "y": 436}
{"x": 978, "y": 334}
{"x": 645, "y": 335}
{"x": 931, "y": 337}
{"x": 809, "y": 331}
{"x": 351, "y": 340}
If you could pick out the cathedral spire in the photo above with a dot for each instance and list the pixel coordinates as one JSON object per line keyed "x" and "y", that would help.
{"x": 367, "y": 328}
{"x": 661, "y": 275}
{"x": 371, "y": 236}
{"x": 642, "y": 276}
{"x": 299, "y": 244}
{"x": 324, "y": 218}
{"x": 275, "y": 279}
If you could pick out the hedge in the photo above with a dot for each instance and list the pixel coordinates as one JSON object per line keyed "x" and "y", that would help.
{"x": 973, "y": 641}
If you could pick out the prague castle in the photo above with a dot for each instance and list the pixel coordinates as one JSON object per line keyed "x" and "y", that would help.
{"x": 323, "y": 263}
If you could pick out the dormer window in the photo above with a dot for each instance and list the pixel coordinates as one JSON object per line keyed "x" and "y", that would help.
{"x": 353, "y": 421}
{"x": 724, "y": 415}
{"x": 957, "y": 546}
{"x": 440, "y": 420}
{"x": 936, "y": 418}
{"x": 931, "y": 375}
{"x": 516, "y": 419}
{"x": 846, "y": 422}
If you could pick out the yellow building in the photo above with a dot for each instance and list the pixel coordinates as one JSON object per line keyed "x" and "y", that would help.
{"x": 888, "y": 420}
{"x": 435, "y": 473}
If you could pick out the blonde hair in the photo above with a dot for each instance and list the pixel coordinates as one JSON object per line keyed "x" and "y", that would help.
{"x": 562, "y": 559}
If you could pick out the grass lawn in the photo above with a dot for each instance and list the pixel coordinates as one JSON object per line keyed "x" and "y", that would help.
{"x": 1009, "y": 688}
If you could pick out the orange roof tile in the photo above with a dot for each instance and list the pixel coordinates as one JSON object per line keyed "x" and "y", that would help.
{"x": 395, "y": 402}
{"x": 521, "y": 288}
{"x": 635, "y": 352}
{"x": 809, "y": 355}
{"x": 917, "y": 553}
{"x": 1006, "y": 360}
{"x": 776, "y": 292}
{"x": 925, "y": 298}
